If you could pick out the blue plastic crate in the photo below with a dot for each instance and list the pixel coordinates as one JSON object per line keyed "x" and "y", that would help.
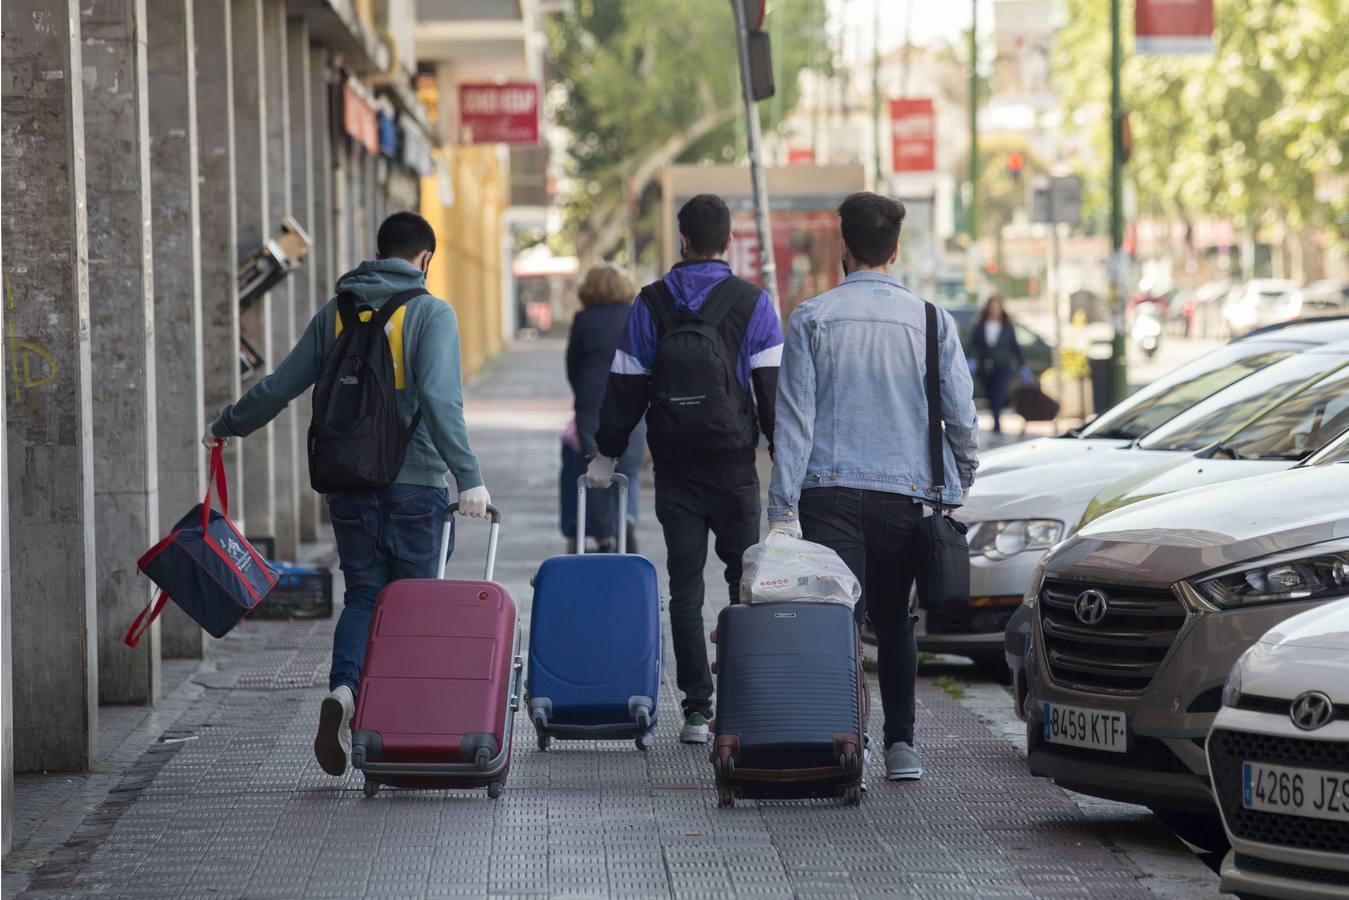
{"x": 301, "y": 592}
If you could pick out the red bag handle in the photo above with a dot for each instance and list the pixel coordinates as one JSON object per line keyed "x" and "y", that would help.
{"x": 215, "y": 479}
{"x": 145, "y": 620}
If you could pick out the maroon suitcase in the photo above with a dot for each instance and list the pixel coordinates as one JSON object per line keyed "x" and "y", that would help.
{"x": 441, "y": 682}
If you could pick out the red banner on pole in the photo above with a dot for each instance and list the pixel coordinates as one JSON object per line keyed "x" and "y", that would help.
{"x": 1173, "y": 27}
{"x": 913, "y": 130}
{"x": 499, "y": 113}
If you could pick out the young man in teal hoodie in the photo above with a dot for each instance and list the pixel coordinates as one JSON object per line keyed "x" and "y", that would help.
{"x": 393, "y": 533}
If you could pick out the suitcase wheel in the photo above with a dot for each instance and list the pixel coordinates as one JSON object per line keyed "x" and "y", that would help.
{"x": 483, "y": 758}
{"x": 847, "y": 761}
{"x": 544, "y": 742}
{"x": 645, "y": 741}
{"x": 494, "y": 789}
{"x": 643, "y": 717}
{"x": 853, "y": 795}
{"x": 723, "y": 764}
{"x": 370, "y": 788}
{"x": 725, "y": 797}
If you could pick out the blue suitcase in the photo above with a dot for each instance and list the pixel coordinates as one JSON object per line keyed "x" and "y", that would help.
{"x": 594, "y": 642}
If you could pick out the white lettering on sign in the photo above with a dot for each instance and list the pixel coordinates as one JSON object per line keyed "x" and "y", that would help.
{"x": 493, "y": 101}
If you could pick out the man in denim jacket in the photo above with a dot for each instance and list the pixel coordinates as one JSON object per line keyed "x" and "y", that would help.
{"x": 852, "y": 468}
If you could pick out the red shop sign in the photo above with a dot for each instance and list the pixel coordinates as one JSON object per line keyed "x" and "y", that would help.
{"x": 499, "y": 113}
{"x": 913, "y": 130}
{"x": 1173, "y": 27}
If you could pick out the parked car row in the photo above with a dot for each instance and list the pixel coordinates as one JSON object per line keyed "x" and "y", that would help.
{"x": 1163, "y": 585}
{"x": 1225, "y": 308}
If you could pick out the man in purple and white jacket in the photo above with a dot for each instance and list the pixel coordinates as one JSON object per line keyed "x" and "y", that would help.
{"x": 699, "y": 358}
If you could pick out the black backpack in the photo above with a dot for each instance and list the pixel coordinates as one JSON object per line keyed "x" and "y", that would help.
{"x": 356, "y": 439}
{"x": 698, "y": 407}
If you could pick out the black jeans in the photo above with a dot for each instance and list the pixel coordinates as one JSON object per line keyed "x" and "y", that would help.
{"x": 996, "y": 383}
{"x": 722, "y": 498}
{"x": 874, "y": 532}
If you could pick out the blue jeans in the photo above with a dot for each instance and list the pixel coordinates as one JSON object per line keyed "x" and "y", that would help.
{"x": 383, "y": 536}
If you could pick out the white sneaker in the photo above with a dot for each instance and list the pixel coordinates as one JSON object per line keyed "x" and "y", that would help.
{"x": 695, "y": 730}
{"x": 332, "y": 745}
{"x": 902, "y": 762}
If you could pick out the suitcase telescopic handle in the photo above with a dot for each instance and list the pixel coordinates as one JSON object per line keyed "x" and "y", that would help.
{"x": 494, "y": 516}
{"x": 622, "y": 481}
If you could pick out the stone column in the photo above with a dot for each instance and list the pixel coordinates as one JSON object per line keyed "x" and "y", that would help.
{"x": 286, "y": 499}
{"x": 255, "y": 224}
{"x": 121, "y": 308}
{"x": 49, "y": 417}
{"x": 213, "y": 50}
{"x": 177, "y": 263}
{"x": 302, "y": 207}
{"x": 6, "y": 646}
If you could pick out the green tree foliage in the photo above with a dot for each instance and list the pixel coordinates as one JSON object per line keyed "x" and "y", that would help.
{"x": 639, "y": 86}
{"x": 1245, "y": 133}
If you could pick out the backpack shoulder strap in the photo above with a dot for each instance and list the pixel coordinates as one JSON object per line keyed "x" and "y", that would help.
{"x": 661, "y": 303}
{"x": 393, "y": 304}
{"x": 933, "y": 385}
{"x": 725, "y": 297}
{"x": 347, "y": 310}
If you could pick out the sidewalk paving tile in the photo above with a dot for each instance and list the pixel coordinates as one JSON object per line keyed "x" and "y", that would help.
{"x": 241, "y": 809}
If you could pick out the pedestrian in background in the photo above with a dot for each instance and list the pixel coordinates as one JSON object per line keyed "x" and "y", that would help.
{"x": 699, "y": 358}
{"x": 393, "y": 533}
{"x": 995, "y": 356}
{"x": 852, "y": 468}
{"x": 606, "y": 297}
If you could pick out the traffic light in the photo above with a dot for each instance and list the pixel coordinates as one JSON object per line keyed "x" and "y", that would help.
{"x": 1016, "y": 162}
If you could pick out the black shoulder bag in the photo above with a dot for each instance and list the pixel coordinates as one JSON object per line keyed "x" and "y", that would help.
{"x": 943, "y": 570}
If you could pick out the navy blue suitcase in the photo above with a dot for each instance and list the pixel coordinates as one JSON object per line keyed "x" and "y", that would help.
{"x": 791, "y": 702}
{"x": 594, "y": 642}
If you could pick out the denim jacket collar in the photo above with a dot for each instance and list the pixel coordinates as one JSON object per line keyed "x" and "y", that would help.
{"x": 868, "y": 275}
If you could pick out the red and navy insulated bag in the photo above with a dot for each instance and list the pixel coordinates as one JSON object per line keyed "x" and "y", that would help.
{"x": 205, "y": 565}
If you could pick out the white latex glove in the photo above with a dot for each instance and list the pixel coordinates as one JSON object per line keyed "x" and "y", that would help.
{"x": 790, "y": 527}
{"x": 208, "y": 439}
{"x": 473, "y": 502}
{"x": 600, "y": 472}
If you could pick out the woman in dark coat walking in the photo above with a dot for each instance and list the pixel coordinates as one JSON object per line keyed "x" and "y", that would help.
{"x": 995, "y": 356}
{"x": 606, "y": 299}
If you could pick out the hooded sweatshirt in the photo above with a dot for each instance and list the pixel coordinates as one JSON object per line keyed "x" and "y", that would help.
{"x": 424, "y": 340}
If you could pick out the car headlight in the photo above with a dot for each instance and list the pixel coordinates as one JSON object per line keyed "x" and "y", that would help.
{"x": 1000, "y": 540}
{"x": 1308, "y": 574}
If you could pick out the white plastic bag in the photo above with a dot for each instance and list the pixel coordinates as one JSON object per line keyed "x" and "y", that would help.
{"x": 786, "y": 568}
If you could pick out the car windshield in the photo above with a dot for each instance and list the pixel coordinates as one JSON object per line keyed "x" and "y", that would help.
{"x": 1168, "y": 397}
{"x": 1219, "y": 415}
{"x": 1299, "y": 426}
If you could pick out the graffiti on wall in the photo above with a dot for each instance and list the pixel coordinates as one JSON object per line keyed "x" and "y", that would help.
{"x": 30, "y": 365}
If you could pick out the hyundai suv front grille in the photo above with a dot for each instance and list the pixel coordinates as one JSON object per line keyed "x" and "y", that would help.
{"x": 1107, "y": 638}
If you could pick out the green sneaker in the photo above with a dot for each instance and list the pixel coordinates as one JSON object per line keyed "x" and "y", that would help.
{"x": 695, "y": 730}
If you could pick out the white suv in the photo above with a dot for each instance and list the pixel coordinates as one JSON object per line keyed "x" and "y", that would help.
{"x": 1279, "y": 758}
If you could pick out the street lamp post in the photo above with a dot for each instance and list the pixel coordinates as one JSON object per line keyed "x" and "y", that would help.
{"x": 1119, "y": 360}
{"x": 754, "y": 139}
{"x": 972, "y": 214}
